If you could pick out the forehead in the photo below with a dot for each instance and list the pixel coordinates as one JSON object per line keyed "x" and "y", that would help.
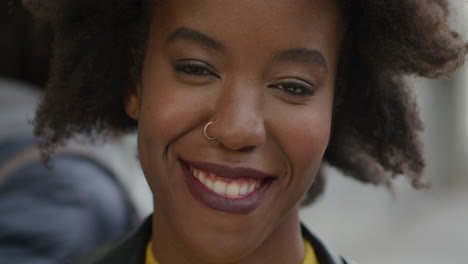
{"x": 294, "y": 22}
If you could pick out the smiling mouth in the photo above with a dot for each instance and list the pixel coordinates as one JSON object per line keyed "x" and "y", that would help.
{"x": 230, "y": 188}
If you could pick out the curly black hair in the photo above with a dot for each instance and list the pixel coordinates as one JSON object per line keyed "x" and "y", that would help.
{"x": 24, "y": 45}
{"x": 99, "y": 47}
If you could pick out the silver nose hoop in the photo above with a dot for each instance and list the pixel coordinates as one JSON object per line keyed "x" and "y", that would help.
{"x": 205, "y": 132}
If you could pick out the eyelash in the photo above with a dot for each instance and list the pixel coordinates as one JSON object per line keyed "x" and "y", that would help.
{"x": 292, "y": 87}
{"x": 194, "y": 69}
{"x": 198, "y": 70}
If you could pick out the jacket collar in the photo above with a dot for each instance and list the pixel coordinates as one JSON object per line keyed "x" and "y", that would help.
{"x": 324, "y": 255}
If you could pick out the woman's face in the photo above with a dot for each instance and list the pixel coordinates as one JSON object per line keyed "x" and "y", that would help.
{"x": 263, "y": 71}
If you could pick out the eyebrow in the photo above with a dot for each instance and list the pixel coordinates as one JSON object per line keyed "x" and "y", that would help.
{"x": 302, "y": 55}
{"x": 185, "y": 33}
{"x": 294, "y": 55}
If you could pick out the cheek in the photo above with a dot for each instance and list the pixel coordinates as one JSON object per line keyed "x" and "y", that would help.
{"x": 303, "y": 137}
{"x": 166, "y": 113}
{"x": 168, "y": 110}
{"x": 160, "y": 118}
{"x": 308, "y": 142}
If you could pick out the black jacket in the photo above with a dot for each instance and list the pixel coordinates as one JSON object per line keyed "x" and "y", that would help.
{"x": 132, "y": 249}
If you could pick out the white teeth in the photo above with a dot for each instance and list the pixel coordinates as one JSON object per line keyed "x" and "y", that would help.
{"x": 251, "y": 187}
{"x": 209, "y": 183}
{"x": 221, "y": 187}
{"x": 233, "y": 189}
{"x": 201, "y": 177}
{"x": 243, "y": 190}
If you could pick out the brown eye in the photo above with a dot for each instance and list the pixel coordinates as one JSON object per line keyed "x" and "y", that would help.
{"x": 295, "y": 88}
{"x": 197, "y": 69}
{"x": 193, "y": 69}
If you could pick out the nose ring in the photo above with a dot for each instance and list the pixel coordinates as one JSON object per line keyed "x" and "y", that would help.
{"x": 206, "y": 134}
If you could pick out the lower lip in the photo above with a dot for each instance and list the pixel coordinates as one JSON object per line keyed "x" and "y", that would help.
{"x": 242, "y": 205}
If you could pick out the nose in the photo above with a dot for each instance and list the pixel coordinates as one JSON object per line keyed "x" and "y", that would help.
{"x": 239, "y": 119}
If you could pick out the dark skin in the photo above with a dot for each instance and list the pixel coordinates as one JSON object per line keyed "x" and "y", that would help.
{"x": 272, "y": 106}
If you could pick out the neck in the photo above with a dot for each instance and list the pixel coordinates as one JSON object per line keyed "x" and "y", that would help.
{"x": 283, "y": 245}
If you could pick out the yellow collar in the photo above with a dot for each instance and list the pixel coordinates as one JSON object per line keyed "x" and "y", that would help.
{"x": 309, "y": 257}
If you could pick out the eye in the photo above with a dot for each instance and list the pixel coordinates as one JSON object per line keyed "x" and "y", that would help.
{"x": 295, "y": 88}
{"x": 194, "y": 68}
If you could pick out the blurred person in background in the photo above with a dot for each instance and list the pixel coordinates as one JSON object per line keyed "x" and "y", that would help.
{"x": 47, "y": 214}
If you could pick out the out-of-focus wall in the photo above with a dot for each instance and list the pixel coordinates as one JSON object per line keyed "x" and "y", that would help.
{"x": 463, "y": 95}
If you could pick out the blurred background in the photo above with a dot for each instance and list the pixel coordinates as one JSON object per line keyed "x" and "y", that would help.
{"x": 371, "y": 225}
{"x": 363, "y": 222}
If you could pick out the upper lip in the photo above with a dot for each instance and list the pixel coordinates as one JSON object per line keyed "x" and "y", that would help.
{"x": 227, "y": 172}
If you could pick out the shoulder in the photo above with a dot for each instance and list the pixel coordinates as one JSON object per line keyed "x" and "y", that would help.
{"x": 70, "y": 179}
{"x": 75, "y": 195}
